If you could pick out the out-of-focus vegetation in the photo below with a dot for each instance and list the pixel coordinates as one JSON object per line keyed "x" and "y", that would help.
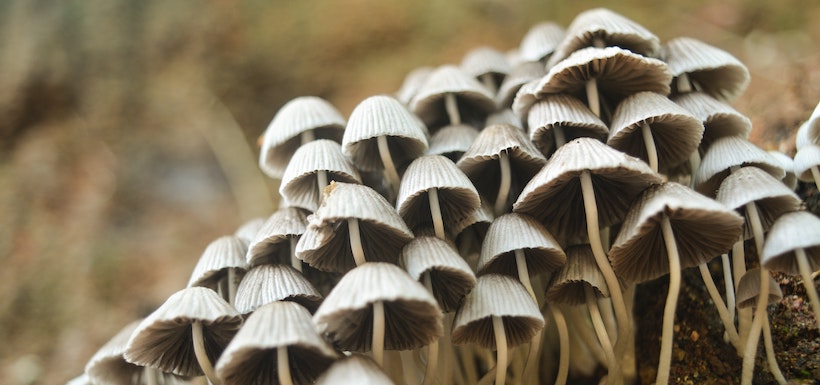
{"x": 128, "y": 128}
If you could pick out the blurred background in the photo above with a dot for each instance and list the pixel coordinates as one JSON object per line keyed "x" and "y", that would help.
{"x": 128, "y": 129}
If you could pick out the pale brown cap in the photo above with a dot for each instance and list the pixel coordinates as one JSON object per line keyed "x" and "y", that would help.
{"x": 703, "y": 229}
{"x": 355, "y": 369}
{"x": 520, "y": 75}
{"x": 299, "y": 187}
{"x": 383, "y": 115}
{"x": 325, "y": 245}
{"x": 474, "y": 100}
{"x": 676, "y": 132}
{"x": 806, "y": 158}
{"x": 511, "y": 232}
{"x": 751, "y": 184}
{"x": 569, "y": 282}
{"x": 711, "y": 69}
{"x": 226, "y": 252}
{"x": 251, "y": 356}
{"x": 457, "y": 196}
{"x": 540, "y": 42}
{"x": 748, "y": 290}
{"x": 412, "y": 316}
{"x": 164, "y": 339}
{"x": 502, "y": 296}
{"x": 452, "y": 140}
{"x": 792, "y": 231}
{"x": 553, "y": 196}
{"x": 564, "y": 111}
{"x": 412, "y": 82}
{"x": 265, "y": 284}
{"x": 282, "y": 137}
{"x": 728, "y": 152}
{"x": 271, "y": 245}
{"x": 450, "y": 276}
{"x": 719, "y": 119}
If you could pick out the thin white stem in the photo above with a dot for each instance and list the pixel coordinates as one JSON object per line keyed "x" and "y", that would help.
{"x": 808, "y": 282}
{"x": 232, "y": 285}
{"x": 723, "y": 312}
{"x": 608, "y": 316}
{"x": 355, "y": 241}
{"x": 409, "y": 369}
{"x": 150, "y": 375}
{"x": 390, "y": 171}
{"x": 295, "y": 262}
{"x": 750, "y": 352}
{"x": 581, "y": 326}
{"x": 774, "y": 368}
{"x": 307, "y": 137}
{"x": 201, "y": 355}
{"x": 629, "y": 366}
{"x": 729, "y": 285}
{"x": 593, "y": 101}
{"x": 651, "y": 150}
{"x": 694, "y": 164}
{"x": 560, "y": 137}
{"x": 665, "y": 360}
{"x": 283, "y": 366}
{"x": 378, "y": 333}
{"x": 435, "y": 213}
{"x": 451, "y": 106}
{"x": 501, "y": 352}
{"x": 524, "y": 274}
{"x": 446, "y": 346}
{"x": 603, "y": 337}
{"x": 433, "y": 348}
{"x": 563, "y": 345}
{"x": 504, "y": 185}
{"x": 744, "y": 316}
{"x": 321, "y": 182}
{"x": 683, "y": 83}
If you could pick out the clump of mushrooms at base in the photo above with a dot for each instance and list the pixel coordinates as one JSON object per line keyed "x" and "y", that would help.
{"x": 489, "y": 223}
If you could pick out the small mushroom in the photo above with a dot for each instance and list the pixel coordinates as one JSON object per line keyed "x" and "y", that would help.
{"x": 221, "y": 265}
{"x": 451, "y": 96}
{"x": 275, "y": 241}
{"x": 807, "y": 164}
{"x": 540, "y": 42}
{"x": 108, "y": 366}
{"x": 265, "y": 284}
{"x": 310, "y": 170}
{"x": 697, "y": 66}
{"x": 558, "y": 118}
{"x": 487, "y": 65}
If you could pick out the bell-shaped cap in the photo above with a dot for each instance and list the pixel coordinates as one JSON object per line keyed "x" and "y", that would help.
{"x": 164, "y": 340}
{"x": 729, "y": 152}
{"x": 411, "y": 84}
{"x": 806, "y": 159}
{"x": 271, "y": 244}
{"x": 568, "y": 285}
{"x": 511, "y": 232}
{"x": 719, "y": 119}
{"x": 554, "y": 196}
{"x": 251, "y": 357}
{"x": 226, "y": 252}
{"x": 703, "y": 229}
{"x": 265, "y": 284}
{"x": 300, "y": 188}
{"x": 325, "y": 245}
{"x": 540, "y": 42}
{"x": 501, "y": 296}
{"x": 474, "y": 101}
{"x": 450, "y": 276}
{"x": 282, "y": 137}
{"x": 452, "y": 141}
{"x": 711, "y": 69}
{"x": 412, "y": 317}
{"x": 383, "y": 115}
{"x": 569, "y": 114}
{"x": 355, "y": 369}
{"x": 792, "y": 231}
{"x": 748, "y": 290}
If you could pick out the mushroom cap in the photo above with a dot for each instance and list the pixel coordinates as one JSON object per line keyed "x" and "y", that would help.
{"x": 511, "y": 232}
{"x": 568, "y": 283}
{"x": 540, "y": 41}
{"x": 281, "y": 138}
{"x": 553, "y": 196}
{"x": 452, "y": 141}
{"x": 567, "y": 112}
{"x": 383, "y": 115}
{"x": 163, "y": 340}
{"x": 719, "y": 119}
{"x": 612, "y": 29}
{"x": 520, "y": 75}
{"x": 251, "y": 356}
{"x": 751, "y": 184}
{"x": 474, "y": 100}
{"x": 728, "y": 152}
{"x": 412, "y": 82}
{"x": 325, "y": 245}
{"x": 271, "y": 244}
{"x": 790, "y": 180}
{"x": 809, "y": 131}
{"x": 481, "y": 161}
{"x": 265, "y": 284}
{"x": 676, "y": 132}
{"x": 457, "y": 195}
{"x": 108, "y": 366}
{"x": 504, "y": 116}
{"x": 354, "y": 369}
{"x": 226, "y": 252}
{"x": 412, "y": 316}
{"x": 715, "y": 71}
{"x": 792, "y": 231}
{"x": 748, "y": 290}
{"x": 450, "y": 276}
{"x": 502, "y": 296}
{"x": 806, "y": 158}
{"x": 299, "y": 187}
{"x": 247, "y": 230}
{"x": 481, "y": 61}
{"x": 703, "y": 229}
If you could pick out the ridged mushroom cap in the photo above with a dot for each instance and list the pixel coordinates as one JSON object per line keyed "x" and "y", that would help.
{"x": 712, "y": 70}
{"x": 568, "y": 283}
{"x": 726, "y": 153}
{"x": 271, "y": 244}
{"x": 567, "y": 112}
{"x": 300, "y": 188}
{"x": 354, "y": 369}
{"x": 450, "y": 276}
{"x": 719, "y": 119}
{"x": 792, "y": 231}
{"x": 511, "y": 232}
{"x": 748, "y": 290}
{"x": 226, "y": 252}
{"x": 265, "y": 284}
{"x": 474, "y": 100}
{"x": 540, "y": 41}
{"x": 806, "y": 159}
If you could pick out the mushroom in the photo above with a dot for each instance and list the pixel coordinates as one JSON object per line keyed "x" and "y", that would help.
{"x": 248, "y": 229}
{"x": 265, "y": 284}
{"x": 108, "y": 366}
{"x": 221, "y": 265}
{"x": 521, "y": 74}
{"x": 540, "y": 42}
{"x": 452, "y": 141}
{"x": 411, "y": 84}
{"x": 790, "y": 180}
{"x": 728, "y": 153}
{"x": 451, "y": 96}
{"x": 558, "y": 118}
{"x": 809, "y": 131}
{"x": 487, "y": 65}
{"x": 748, "y": 294}
{"x": 697, "y": 66}
{"x": 311, "y": 168}
{"x": 275, "y": 241}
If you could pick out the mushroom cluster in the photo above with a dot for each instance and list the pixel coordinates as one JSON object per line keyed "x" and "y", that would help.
{"x": 480, "y": 203}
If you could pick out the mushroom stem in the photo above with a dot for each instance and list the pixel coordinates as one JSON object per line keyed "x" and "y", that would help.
{"x": 694, "y": 164}
{"x": 504, "y": 185}
{"x": 563, "y": 345}
{"x": 747, "y": 372}
{"x": 665, "y": 361}
{"x": 390, "y": 171}
{"x": 355, "y": 241}
{"x": 451, "y": 106}
{"x": 603, "y": 338}
{"x": 488, "y": 81}
{"x": 232, "y": 285}
{"x": 729, "y": 286}
{"x": 683, "y": 84}
{"x": 535, "y": 345}
{"x": 621, "y": 314}
{"x": 808, "y": 282}
{"x": 723, "y": 312}
{"x": 321, "y": 181}
{"x": 501, "y": 352}
{"x": 592, "y": 97}
{"x": 560, "y": 136}
{"x": 283, "y": 366}
{"x": 467, "y": 360}
{"x": 744, "y": 315}
{"x": 608, "y": 316}
{"x": 295, "y": 262}
{"x": 774, "y": 368}
{"x": 150, "y": 375}
{"x": 581, "y": 327}
{"x": 651, "y": 150}
{"x": 378, "y": 333}
{"x": 307, "y": 137}
{"x": 435, "y": 212}
{"x": 201, "y": 355}
{"x": 432, "y": 349}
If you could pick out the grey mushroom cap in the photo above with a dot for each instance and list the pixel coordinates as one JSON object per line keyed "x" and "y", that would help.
{"x": 450, "y": 276}
{"x": 799, "y": 229}
{"x": 226, "y": 252}
{"x": 265, "y": 284}
{"x": 511, "y": 232}
{"x": 712, "y": 69}
{"x": 271, "y": 244}
{"x": 748, "y": 290}
{"x": 568, "y": 283}
{"x": 726, "y": 153}
{"x": 474, "y": 100}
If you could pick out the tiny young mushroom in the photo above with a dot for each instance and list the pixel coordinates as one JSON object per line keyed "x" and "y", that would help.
{"x": 277, "y": 345}
{"x": 748, "y": 296}
{"x": 687, "y": 228}
{"x": 299, "y": 121}
{"x": 556, "y": 119}
{"x": 697, "y": 66}
{"x": 504, "y": 116}
{"x": 192, "y": 317}
{"x": 275, "y": 241}
{"x": 265, "y": 284}
{"x": 221, "y": 266}
{"x": 451, "y": 96}
{"x": 310, "y": 170}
